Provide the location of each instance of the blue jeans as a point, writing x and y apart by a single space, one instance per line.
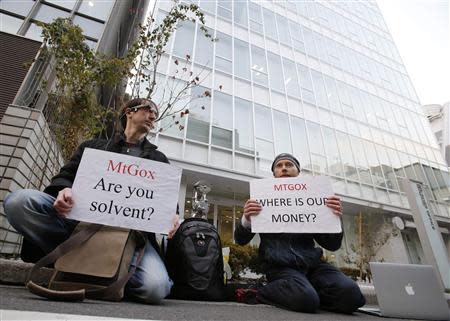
32 214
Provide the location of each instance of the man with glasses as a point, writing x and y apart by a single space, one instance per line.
297 277
41 217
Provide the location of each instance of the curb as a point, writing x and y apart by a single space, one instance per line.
16 272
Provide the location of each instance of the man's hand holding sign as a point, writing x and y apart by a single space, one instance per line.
126 191
294 205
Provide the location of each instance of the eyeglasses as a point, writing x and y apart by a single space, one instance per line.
147 107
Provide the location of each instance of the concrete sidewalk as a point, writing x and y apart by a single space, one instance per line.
19 304
14 272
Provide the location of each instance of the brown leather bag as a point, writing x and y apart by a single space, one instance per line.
93 263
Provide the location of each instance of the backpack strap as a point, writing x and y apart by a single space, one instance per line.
65 247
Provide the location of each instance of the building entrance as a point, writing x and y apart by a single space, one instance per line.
222 214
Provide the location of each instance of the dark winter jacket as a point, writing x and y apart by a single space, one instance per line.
67 173
289 250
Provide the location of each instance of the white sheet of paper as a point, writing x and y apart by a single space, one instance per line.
294 205
126 191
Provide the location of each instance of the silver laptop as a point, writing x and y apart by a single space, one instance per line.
409 291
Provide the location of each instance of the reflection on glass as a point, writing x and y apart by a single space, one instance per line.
276 72
243 125
184 38
99 9
290 78
259 69
225 223
9 24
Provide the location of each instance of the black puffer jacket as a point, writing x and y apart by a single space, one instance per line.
288 249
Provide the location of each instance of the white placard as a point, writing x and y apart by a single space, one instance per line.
294 205
126 191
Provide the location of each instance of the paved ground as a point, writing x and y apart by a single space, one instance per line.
18 304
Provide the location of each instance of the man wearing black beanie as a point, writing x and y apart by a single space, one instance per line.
297 277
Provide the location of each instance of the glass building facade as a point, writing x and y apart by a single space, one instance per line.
20 17
322 80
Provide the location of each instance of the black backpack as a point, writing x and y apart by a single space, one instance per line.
194 261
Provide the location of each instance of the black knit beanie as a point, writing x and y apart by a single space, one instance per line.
286 156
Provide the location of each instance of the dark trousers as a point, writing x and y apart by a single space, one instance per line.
325 287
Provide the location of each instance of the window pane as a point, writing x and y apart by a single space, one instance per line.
48 14
290 78
34 32
346 155
22 7
332 151
282 135
224 9
243 125
306 84
223 52
269 24
198 130
309 43
204 48
276 72
9 24
200 106
263 122
300 141
64 3
222 137
241 65
319 86
315 138
296 34
332 94
222 111
184 39
259 68
255 17
283 30
264 149
90 27
96 8
208 5
240 12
